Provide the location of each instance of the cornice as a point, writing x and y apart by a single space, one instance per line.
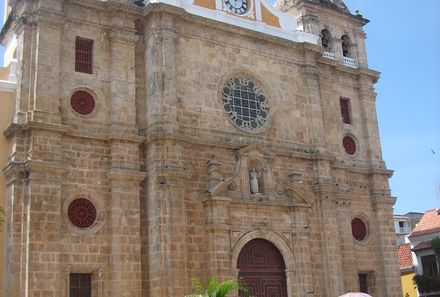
14 128
358 72
21 168
8 86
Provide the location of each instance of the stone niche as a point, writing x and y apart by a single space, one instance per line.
253 180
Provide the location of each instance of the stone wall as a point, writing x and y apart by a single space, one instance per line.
168 172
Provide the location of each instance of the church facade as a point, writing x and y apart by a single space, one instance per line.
152 143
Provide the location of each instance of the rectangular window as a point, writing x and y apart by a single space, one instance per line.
429 265
80 285
84 55
345 110
363 282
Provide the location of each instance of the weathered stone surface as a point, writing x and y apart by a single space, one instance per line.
169 173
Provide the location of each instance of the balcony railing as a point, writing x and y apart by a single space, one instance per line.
329 55
350 62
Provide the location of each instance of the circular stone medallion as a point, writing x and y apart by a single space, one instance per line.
358 229
245 104
82 103
349 145
82 213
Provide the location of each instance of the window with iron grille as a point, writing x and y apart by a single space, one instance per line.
345 110
80 285
429 265
363 282
84 55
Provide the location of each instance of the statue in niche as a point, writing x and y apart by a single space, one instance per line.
254 174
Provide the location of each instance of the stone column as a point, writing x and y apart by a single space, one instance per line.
337 47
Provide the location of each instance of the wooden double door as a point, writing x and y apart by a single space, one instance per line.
262 269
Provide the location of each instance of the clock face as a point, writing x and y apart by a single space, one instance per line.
237 6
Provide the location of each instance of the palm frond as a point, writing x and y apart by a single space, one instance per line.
217 289
212 286
226 287
198 286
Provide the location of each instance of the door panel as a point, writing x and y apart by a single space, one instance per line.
262 269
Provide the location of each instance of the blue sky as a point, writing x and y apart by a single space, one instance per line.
404 44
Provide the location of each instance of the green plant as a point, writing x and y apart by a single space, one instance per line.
427 283
217 289
436 245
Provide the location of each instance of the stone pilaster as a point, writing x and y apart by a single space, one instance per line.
25 31
325 190
161 80
301 253
217 210
361 53
166 189
367 99
125 233
388 280
34 228
16 239
344 215
38 34
123 79
315 111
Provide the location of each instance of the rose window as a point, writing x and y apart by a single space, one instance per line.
245 103
358 229
82 213
82 102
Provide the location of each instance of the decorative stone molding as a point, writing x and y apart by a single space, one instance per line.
238 186
366 220
97 96
281 242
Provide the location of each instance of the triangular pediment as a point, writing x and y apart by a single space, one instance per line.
257 150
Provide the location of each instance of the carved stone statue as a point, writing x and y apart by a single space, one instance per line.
254 174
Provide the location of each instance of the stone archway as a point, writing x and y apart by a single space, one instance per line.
261 267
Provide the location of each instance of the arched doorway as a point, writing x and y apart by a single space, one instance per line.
262 269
